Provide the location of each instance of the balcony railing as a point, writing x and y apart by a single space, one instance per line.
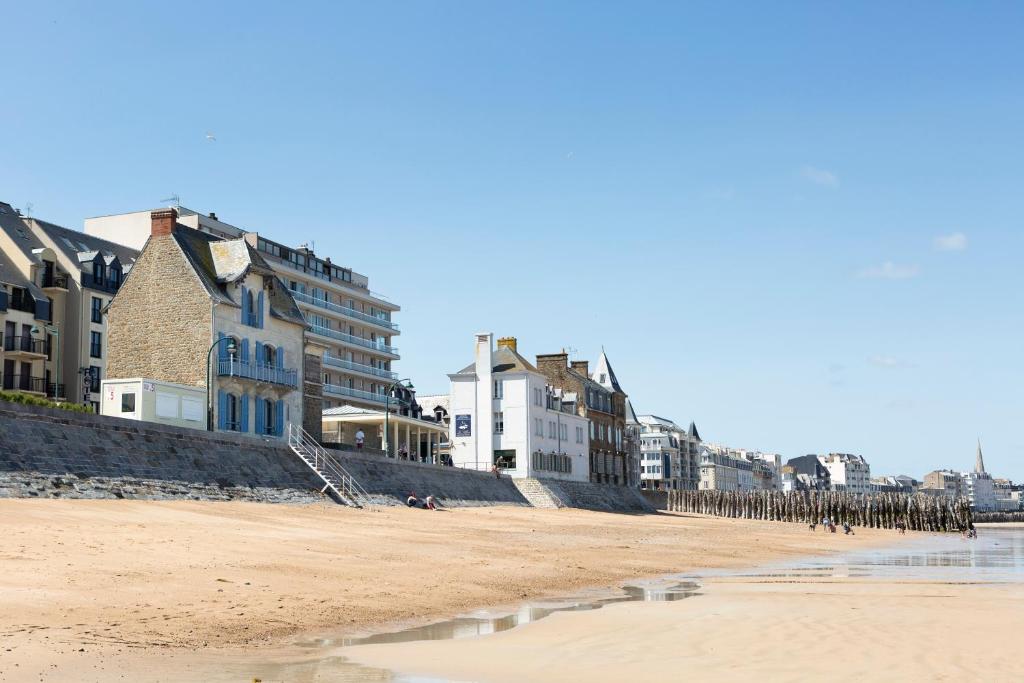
257 372
25 344
355 393
55 281
378 346
55 391
344 310
358 367
24 383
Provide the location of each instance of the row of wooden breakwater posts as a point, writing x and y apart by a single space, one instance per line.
880 511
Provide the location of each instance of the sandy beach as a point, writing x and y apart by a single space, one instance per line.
97 590
743 630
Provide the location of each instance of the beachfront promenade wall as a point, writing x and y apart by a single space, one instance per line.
50 453
883 510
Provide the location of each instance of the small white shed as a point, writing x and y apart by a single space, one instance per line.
153 401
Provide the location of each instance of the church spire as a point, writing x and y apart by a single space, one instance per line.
979 462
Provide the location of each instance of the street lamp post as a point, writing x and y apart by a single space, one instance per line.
55 331
209 401
387 408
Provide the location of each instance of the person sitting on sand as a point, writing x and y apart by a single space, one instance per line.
846 529
412 501
430 503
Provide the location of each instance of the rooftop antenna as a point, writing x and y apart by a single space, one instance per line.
174 199
28 210
573 351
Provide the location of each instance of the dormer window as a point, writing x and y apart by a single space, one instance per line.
98 272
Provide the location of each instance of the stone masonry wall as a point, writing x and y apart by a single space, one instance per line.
159 323
52 453
312 395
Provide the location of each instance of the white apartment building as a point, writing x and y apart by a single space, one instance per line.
347 322
670 456
504 413
847 472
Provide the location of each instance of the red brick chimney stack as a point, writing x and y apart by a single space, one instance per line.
162 222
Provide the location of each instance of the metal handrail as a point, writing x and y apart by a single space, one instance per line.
257 371
358 367
344 310
377 346
326 466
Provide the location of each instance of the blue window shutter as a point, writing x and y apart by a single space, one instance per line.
280 358
243 353
222 410
222 347
243 408
260 357
279 418
259 415
259 310
245 305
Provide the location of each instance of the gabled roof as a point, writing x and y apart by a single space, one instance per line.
504 359
218 264
605 368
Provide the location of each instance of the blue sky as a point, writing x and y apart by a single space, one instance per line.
796 224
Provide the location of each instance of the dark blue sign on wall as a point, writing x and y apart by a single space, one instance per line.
463 425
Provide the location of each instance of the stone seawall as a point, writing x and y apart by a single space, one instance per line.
52 453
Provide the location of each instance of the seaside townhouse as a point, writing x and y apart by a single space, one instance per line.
946 483
56 282
847 472
505 413
95 269
805 473
671 456
192 295
25 309
349 326
601 400
724 469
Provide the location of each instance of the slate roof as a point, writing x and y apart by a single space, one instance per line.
83 248
19 233
219 263
504 360
693 432
605 368
809 465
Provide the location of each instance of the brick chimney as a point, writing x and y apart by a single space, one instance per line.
162 222
508 343
582 367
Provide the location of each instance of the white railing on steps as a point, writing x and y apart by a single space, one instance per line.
335 477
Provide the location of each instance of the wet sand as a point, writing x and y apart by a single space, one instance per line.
142 590
803 630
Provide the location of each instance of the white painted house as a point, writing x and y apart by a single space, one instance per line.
504 413
849 473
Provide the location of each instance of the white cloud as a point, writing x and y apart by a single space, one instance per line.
956 241
820 176
890 271
888 362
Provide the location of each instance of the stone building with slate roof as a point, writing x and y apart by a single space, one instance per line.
603 404
190 291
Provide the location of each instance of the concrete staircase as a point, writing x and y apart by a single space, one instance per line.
540 494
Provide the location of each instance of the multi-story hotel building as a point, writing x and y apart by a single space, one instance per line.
351 324
847 472
670 454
